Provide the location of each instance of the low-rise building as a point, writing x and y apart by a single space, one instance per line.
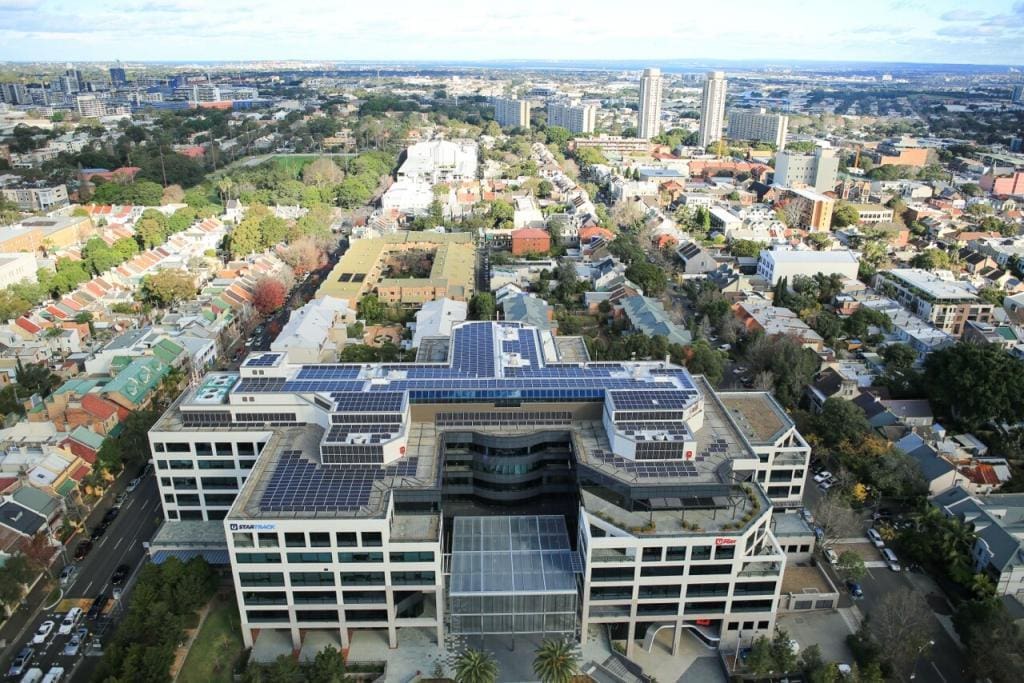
947 304
315 333
775 264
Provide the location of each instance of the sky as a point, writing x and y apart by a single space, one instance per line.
942 31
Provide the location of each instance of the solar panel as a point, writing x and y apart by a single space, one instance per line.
368 402
659 399
264 360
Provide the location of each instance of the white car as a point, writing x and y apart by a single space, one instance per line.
890 559
875 538
831 556
825 486
822 477
44 631
70 621
132 485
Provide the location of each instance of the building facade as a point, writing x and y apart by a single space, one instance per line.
947 305
817 171
576 118
37 198
775 264
759 125
512 113
649 116
712 108
360 496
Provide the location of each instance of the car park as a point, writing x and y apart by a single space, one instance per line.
875 538
43 632
67 625
68 573
84 546
890 559
855 589
21 661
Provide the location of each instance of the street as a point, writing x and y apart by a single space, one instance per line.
136 523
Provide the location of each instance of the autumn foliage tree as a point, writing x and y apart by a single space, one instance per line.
303 255
269 296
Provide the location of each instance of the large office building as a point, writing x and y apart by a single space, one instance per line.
712 108
817 171
512 113
649 116
758 125
775 264
947 304
576 118
504 485
118 76
439 161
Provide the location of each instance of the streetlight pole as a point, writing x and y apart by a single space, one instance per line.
917 657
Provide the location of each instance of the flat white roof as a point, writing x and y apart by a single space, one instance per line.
794 256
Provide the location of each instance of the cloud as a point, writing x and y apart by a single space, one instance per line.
963 15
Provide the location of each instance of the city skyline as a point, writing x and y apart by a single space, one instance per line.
912 31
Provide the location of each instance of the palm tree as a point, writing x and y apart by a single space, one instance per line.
476 666
556 662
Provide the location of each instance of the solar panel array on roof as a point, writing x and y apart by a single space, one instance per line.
254 385
264 360
655 469
368 402
300 485
328 372
658 399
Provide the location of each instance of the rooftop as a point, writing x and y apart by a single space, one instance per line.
931 284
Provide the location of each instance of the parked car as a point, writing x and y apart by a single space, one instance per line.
890 559
822 476
70 621
54 675
73 646
21 661
122 498
875 538
98 532
43 632
132 485
831 556
111 514
120 574
825 486
806 514
97 606
855 589
67 574
84 546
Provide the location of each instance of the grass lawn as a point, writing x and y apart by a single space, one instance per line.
216 648
295 164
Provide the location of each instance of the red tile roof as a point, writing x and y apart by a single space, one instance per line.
27 325
98 406
81 450
81 473
7 482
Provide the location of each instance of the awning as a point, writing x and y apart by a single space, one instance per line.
214 557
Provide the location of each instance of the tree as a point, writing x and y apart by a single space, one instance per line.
168 287
476 666
851 565
303 256
109 456
246 237
648 276
134 438
994 643
327 667
840 420
898 357
269 295
173 194
844 215
544 188
931 259
353 191
791 365
371 309
836 519
704 360
975 383
481 306
322 172
35 378
901 625
14 576
556 662
747 248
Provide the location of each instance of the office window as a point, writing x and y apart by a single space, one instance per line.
204 448
295 539
224 448
360 557
268 539
701 552
257 579
309 558
258 558
346 539
319 539
372 539
311 578
242 539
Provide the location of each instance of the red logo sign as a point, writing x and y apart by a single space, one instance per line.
725 541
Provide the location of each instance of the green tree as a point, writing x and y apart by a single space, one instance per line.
327 667
353 191
840 420
844 215
648 276
931 259
898 357
481 306
747 248
168 287
544 188
851 565
704 360
556 661
35 378
476 666
371 309
134 438
109 456
246 237
975 383
14 576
